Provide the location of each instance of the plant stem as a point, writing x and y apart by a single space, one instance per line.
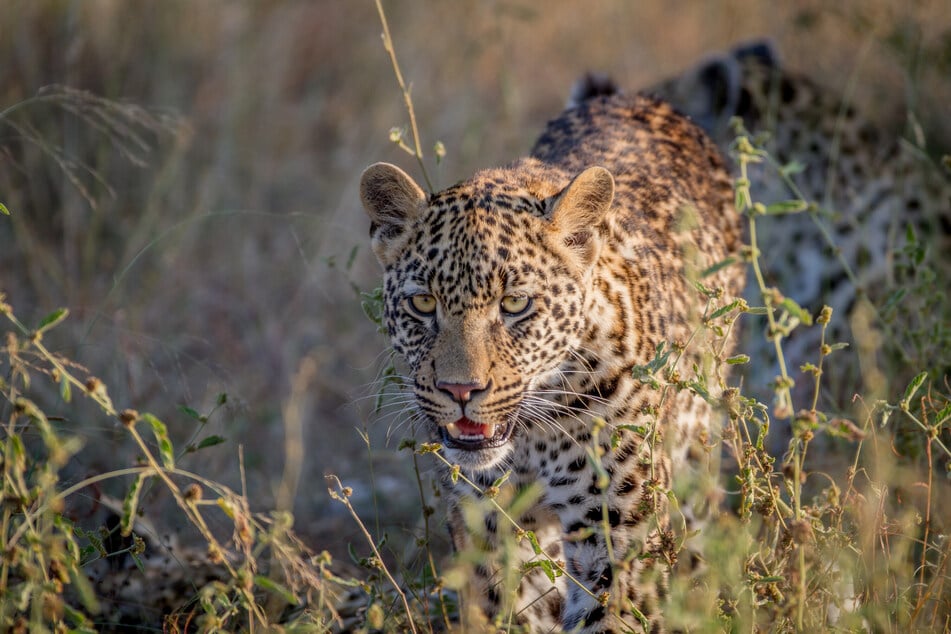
342 497
407 98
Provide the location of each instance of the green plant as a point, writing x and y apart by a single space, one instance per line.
802 548
260 568
803 542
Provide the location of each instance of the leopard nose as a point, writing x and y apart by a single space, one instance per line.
461 392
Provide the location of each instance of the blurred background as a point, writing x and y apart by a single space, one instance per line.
206 233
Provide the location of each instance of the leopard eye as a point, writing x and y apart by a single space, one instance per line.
423 304
515 304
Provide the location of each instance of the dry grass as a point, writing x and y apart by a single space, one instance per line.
208 241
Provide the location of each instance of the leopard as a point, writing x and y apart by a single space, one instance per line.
527 307
868 189
149 579
870 244
623 274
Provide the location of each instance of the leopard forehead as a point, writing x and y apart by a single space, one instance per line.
478 240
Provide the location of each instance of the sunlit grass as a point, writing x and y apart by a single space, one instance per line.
195 264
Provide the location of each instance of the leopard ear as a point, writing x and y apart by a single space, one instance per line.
579 208
393 200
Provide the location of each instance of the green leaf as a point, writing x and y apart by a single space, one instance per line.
211 441
191 413
645 372
272 586
160 431
65 389
130 505
786 207
546 567
372 305
4 210
943 415
723 310
533 540
641 430
722 264
913 387
910 236
699 388
501 480
797 311
52 319
739 201
222 399
643 620
738 359
95 545
703 290
773 579
352 257
138 562
792 167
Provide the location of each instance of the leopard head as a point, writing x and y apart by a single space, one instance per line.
485 294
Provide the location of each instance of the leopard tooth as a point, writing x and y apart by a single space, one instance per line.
489 431
453 430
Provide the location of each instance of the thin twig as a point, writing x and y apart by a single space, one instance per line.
342 496
407 98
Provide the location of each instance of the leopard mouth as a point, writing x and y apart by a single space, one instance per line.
469 435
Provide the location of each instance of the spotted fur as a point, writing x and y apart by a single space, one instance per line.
869 185
158 585
520 301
